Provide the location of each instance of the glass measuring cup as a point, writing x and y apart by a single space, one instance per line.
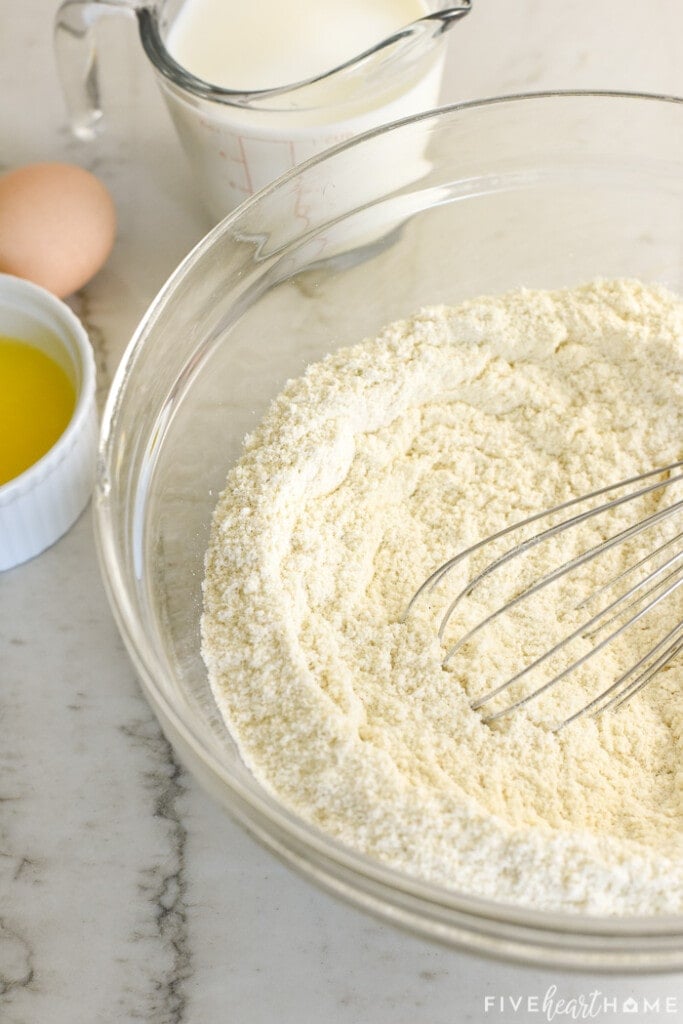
238 141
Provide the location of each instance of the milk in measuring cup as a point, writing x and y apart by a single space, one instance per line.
265 44
253 45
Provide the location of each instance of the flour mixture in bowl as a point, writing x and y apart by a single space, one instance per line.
368 472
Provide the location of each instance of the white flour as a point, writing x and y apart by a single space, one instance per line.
368 472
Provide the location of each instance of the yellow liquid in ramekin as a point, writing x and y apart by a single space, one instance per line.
37 400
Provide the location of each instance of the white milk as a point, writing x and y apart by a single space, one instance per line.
263 44
258 44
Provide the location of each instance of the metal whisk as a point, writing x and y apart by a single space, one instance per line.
631 594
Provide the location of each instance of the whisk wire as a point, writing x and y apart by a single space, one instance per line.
630 569
603 546
616 694
435 577
674 574
627 609
582 660
586 628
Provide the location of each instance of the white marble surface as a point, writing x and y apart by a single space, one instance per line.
125 894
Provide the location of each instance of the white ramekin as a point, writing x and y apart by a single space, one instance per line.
40 504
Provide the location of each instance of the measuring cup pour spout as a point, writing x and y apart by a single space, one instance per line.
398 76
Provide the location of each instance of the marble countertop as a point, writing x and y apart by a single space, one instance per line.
126 894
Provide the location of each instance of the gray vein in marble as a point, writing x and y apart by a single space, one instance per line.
17 969
16 960
25 865
165 884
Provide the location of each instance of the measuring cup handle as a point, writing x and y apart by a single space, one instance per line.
75 43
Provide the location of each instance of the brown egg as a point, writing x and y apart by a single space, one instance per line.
57 225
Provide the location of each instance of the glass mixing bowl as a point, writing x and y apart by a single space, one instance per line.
541 191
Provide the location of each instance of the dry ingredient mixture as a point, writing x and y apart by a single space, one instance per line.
367 473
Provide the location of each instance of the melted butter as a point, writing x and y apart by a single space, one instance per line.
37 400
